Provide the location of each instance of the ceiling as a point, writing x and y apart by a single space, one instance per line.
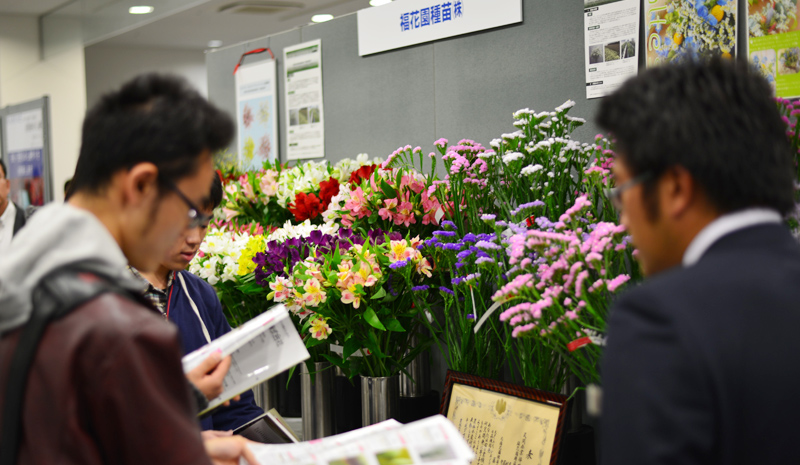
231 21
29 7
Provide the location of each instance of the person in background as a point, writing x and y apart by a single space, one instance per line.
12 217
66 187
701 359
193 305
106 383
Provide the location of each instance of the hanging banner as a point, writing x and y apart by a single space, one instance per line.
410 22
689 29
611 31
257 114
25 148
305 134
774 43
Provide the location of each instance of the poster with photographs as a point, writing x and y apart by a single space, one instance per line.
689 29
774 43
611 31
257 116
305 135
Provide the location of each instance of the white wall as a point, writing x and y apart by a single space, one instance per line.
25 76
110 66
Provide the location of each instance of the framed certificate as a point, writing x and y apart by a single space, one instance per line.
505 424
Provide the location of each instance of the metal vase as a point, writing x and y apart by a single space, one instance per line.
317 400
418 384
266 394
379 397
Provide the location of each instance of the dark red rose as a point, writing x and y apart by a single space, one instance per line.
365 172
305 206
327 190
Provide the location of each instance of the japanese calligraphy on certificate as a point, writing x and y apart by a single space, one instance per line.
305 133
503 429
611 31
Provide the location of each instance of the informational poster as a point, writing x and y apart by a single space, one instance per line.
503 429
25 157
305 135
689 29
257 115
774 43
611 33
410 22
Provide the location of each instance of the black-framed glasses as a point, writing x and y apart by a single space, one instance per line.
196 217
614 194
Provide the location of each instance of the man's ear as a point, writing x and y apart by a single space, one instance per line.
139 183
678 191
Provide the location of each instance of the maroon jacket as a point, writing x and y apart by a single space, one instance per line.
107 387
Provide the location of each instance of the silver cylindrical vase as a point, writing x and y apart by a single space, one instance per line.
379 397
266 394
317 401
418 381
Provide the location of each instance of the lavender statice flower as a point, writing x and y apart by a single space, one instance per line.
482 260
464 254
487 245
444 233
457 280
449 224
527 206
400 264
431 242
488 217
469 237
470 316
452 246
423 287
444 289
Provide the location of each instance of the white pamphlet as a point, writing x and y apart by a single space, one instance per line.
260 349
305 133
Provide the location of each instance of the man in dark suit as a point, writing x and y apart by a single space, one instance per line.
12 218
702 365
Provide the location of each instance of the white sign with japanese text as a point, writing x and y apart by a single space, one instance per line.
305 136
409 22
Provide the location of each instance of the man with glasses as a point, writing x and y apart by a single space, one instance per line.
12 218
193 306
701 362
89 372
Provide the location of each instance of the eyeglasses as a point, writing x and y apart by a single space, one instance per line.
614 194
196 217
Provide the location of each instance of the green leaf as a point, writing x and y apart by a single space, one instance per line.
380 294
373 320
350 347
394 325
388 190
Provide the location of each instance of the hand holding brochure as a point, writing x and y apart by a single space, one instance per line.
432 441
261 348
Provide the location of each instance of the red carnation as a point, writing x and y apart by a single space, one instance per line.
327 190
305 206
365 172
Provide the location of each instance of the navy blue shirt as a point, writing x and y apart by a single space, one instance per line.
181 313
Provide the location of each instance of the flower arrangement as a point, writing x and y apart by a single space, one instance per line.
695 28
562 274
775 17
789 61
252 197
789 113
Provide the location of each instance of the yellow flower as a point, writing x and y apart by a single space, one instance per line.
678 38
319 328
246 264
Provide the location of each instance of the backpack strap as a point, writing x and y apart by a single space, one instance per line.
57 294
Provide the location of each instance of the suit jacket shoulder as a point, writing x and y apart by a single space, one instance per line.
19 219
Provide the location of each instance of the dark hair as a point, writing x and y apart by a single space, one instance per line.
3 166
715 119
153 118
67 183
215 198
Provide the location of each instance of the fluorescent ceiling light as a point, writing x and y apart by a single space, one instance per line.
379 2
214 43
140 10
321 18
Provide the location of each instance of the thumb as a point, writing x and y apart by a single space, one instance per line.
210 362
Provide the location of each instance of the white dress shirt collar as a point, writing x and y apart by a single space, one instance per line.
8 216
725 225
7 220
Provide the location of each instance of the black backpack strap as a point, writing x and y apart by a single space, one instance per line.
57 294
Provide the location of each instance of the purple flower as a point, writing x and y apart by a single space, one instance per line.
487 245
464 254
501 224
483 260
485 237
448 224
431 242
400 264
424 287
459 265
458 280
444 233
488 217
444 289
455 246
469 237
470 316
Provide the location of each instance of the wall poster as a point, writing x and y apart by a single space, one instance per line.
611 33
256 120
678 29
24 133
305 132
774 43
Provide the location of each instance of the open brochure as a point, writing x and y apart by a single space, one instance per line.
262 348
432 441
